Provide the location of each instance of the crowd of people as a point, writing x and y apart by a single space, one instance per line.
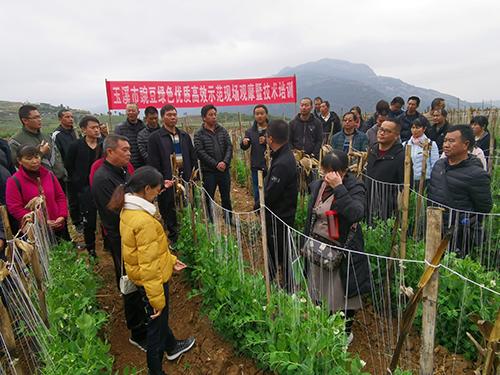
120 175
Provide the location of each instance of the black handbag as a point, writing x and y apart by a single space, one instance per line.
322 252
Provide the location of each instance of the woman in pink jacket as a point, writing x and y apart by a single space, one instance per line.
31 180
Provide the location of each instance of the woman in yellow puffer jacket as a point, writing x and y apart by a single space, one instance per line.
148 261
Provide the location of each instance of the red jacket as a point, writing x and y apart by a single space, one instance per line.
54 195
98 163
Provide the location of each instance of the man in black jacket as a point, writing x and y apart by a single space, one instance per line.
306 132
384 169
63 137
255 137
330 122
151 119
130 128
6 157
79 159
410 115
280 192
439 127
170 141
395 108
460 182
65 133
111 174
214 150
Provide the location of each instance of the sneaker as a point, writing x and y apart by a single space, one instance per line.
182 346
141 344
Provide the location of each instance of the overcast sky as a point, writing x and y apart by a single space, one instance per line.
62 51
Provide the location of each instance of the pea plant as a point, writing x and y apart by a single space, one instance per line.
74 341
290 335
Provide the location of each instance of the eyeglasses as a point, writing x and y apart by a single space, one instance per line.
385 130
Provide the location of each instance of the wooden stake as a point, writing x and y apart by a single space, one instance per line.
491 158
203 201
9 338
264 235
7 232
405 202
411 309
192 209
491 349
421 184
37 267
430 291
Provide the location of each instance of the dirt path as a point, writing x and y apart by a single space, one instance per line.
211 355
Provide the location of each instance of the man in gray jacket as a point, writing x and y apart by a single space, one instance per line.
31 134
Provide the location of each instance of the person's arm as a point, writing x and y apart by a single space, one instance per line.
148 257
351 204
434 155
291 131
202 154
14 200
192 153
337 126
60 198
119 130
276 184
363 142
143 144
480 192
102 190
8 157
154 154
318 138
229 149
70 161
247 136
14 147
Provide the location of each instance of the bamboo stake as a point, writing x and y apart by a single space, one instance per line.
204 209
233 170
36 265
421 184
405 202
264 235
7 232
9 338
411 310
430 292
491 157
491 346
192 208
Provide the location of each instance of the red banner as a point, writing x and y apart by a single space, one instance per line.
277 90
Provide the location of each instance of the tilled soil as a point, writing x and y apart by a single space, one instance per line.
213 355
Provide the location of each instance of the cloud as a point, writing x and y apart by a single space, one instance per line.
61 52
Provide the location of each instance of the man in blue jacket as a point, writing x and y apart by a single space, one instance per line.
350 134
